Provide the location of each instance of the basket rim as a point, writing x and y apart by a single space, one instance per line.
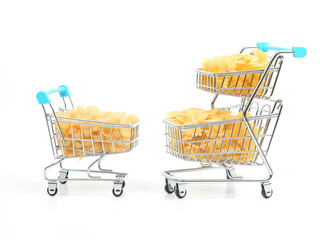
235 73
200 125
269 115
94 123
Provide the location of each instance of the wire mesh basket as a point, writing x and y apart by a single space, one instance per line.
90 138
245 83
239 83
226 142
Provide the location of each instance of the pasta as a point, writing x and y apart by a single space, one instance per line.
81 138
239 84
211 143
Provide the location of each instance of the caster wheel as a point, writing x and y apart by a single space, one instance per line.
168 188
63 182
266 195
117 193
52 192
179 193
266 191
123 184
66 177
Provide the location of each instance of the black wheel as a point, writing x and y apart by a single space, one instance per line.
265 195
123 184
168 188
64 182
52 192
117 193
179 193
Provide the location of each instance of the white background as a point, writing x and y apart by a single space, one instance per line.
139 57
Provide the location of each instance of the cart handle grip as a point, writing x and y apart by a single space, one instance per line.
298 52
43 96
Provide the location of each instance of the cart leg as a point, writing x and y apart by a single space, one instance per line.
99 165
266 191
63 176
52 188
231 173
181 190
170 186
121 178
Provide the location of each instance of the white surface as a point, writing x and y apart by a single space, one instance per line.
139 57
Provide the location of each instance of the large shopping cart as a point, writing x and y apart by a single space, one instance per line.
88 139
227 144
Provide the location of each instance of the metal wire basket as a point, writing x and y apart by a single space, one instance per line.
90 138
244 83
226 142
240 83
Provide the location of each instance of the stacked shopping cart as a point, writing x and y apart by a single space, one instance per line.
230 143
84 145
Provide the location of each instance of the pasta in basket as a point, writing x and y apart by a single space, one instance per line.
237 84
224 141
81 138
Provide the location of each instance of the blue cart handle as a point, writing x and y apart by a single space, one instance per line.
43 96
298 52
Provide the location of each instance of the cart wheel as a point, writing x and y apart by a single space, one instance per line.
64 182
180 193
266 195
123 184
63 175
52 191
168 188
117 192
266 192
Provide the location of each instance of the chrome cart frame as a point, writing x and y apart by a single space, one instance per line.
259 126
84 144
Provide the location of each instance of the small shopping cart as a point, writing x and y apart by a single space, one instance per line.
230 143
83 143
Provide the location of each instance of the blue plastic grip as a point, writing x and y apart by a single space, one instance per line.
43 96
298 52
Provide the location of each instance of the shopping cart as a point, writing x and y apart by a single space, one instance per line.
227 144
83 143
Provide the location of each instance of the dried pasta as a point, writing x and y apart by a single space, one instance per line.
239 84
214 142
83 139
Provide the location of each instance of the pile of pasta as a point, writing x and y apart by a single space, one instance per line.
235 63
82 139
211 143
